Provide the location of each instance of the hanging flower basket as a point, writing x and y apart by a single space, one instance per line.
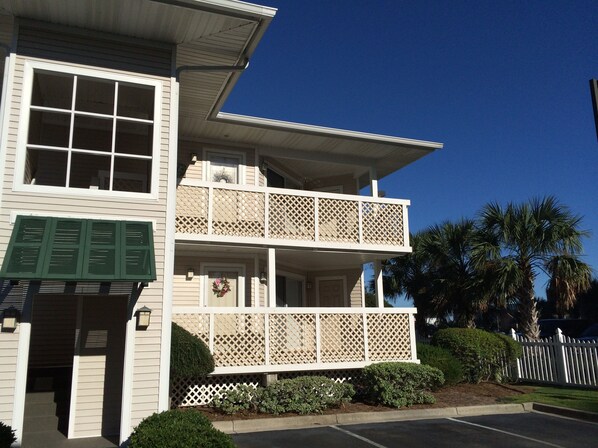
220 287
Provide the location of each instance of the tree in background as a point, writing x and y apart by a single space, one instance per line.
517 241
569 276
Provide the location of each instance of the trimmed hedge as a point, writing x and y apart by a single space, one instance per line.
177 428
7 436
442 359
481 353
302 395
189 356
400 384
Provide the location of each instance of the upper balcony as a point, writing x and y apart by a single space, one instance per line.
227 213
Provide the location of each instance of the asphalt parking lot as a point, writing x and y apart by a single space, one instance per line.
525 430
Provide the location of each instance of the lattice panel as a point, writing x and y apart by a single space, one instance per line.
239 340
196 324
291 217
292 339
187 392
238 213
338 220
383 224
388 337
341 337
192 210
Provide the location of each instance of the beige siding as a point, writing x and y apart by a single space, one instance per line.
144 389
187 292
347 182
100 352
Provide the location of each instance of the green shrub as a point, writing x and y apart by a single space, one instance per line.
481 353
177 428
189 356
399 384
7 436
303 395
240 399
442 359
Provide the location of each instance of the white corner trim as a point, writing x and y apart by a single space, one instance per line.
7 89
18 410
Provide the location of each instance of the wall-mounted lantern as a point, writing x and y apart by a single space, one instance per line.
10 317
144 315
193 158
190 273
263 278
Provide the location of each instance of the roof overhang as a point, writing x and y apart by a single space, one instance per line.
318 150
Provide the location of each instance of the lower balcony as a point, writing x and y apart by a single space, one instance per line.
269 340
212 212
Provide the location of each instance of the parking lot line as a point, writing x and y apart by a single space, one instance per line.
506 432
357 436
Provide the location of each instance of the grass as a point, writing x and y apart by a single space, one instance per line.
584 400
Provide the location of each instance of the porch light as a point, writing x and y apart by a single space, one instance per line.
143 317
263 278
10 317
190 273
193 158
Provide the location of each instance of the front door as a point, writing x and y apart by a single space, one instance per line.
331 292
223 286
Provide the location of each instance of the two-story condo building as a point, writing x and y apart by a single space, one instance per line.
125 194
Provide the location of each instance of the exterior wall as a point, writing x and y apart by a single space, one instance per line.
113 55
347 182
187 292
353 282
195 170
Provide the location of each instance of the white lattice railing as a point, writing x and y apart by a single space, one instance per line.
212 212
288 339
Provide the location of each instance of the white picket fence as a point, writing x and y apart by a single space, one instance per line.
557 360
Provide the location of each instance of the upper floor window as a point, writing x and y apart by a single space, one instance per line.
91 132
224 167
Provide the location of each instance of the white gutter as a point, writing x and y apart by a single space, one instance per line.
234 6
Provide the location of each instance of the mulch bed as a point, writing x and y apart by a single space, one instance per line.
451 396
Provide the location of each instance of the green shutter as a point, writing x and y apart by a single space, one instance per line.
43 248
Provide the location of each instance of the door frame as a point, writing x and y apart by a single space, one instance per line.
332 277
205 266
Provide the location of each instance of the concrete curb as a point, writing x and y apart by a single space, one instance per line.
313 421
566 412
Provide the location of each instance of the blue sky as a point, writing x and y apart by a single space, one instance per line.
503 84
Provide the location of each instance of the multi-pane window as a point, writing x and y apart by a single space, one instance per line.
224 168
90 133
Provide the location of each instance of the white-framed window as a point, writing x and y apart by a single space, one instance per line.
224 166
88 130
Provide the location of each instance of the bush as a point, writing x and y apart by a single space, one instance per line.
442 359
303 395
177 428
7 436
399 384
239 399
482 354
189 356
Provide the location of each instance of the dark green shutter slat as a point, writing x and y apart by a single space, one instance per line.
79 249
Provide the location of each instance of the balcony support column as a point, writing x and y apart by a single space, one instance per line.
271 277
379 286
374 181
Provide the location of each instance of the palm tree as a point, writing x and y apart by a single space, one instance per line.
517 241
569 277
439 275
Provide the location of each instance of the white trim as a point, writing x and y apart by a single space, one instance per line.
7 92
271 368
169 254
127 381
362 281
278 310
75 373
378 279
332 277
18 410
228 153
271 266
292 192
30 66
206 266
256 281
320 130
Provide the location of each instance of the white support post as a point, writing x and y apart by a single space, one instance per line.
366 347
316 220
210 208
256 281
267 338
211 335
360 221
374 181
406 241
412 337
318 340
518 362
266 214
271 277
378 280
